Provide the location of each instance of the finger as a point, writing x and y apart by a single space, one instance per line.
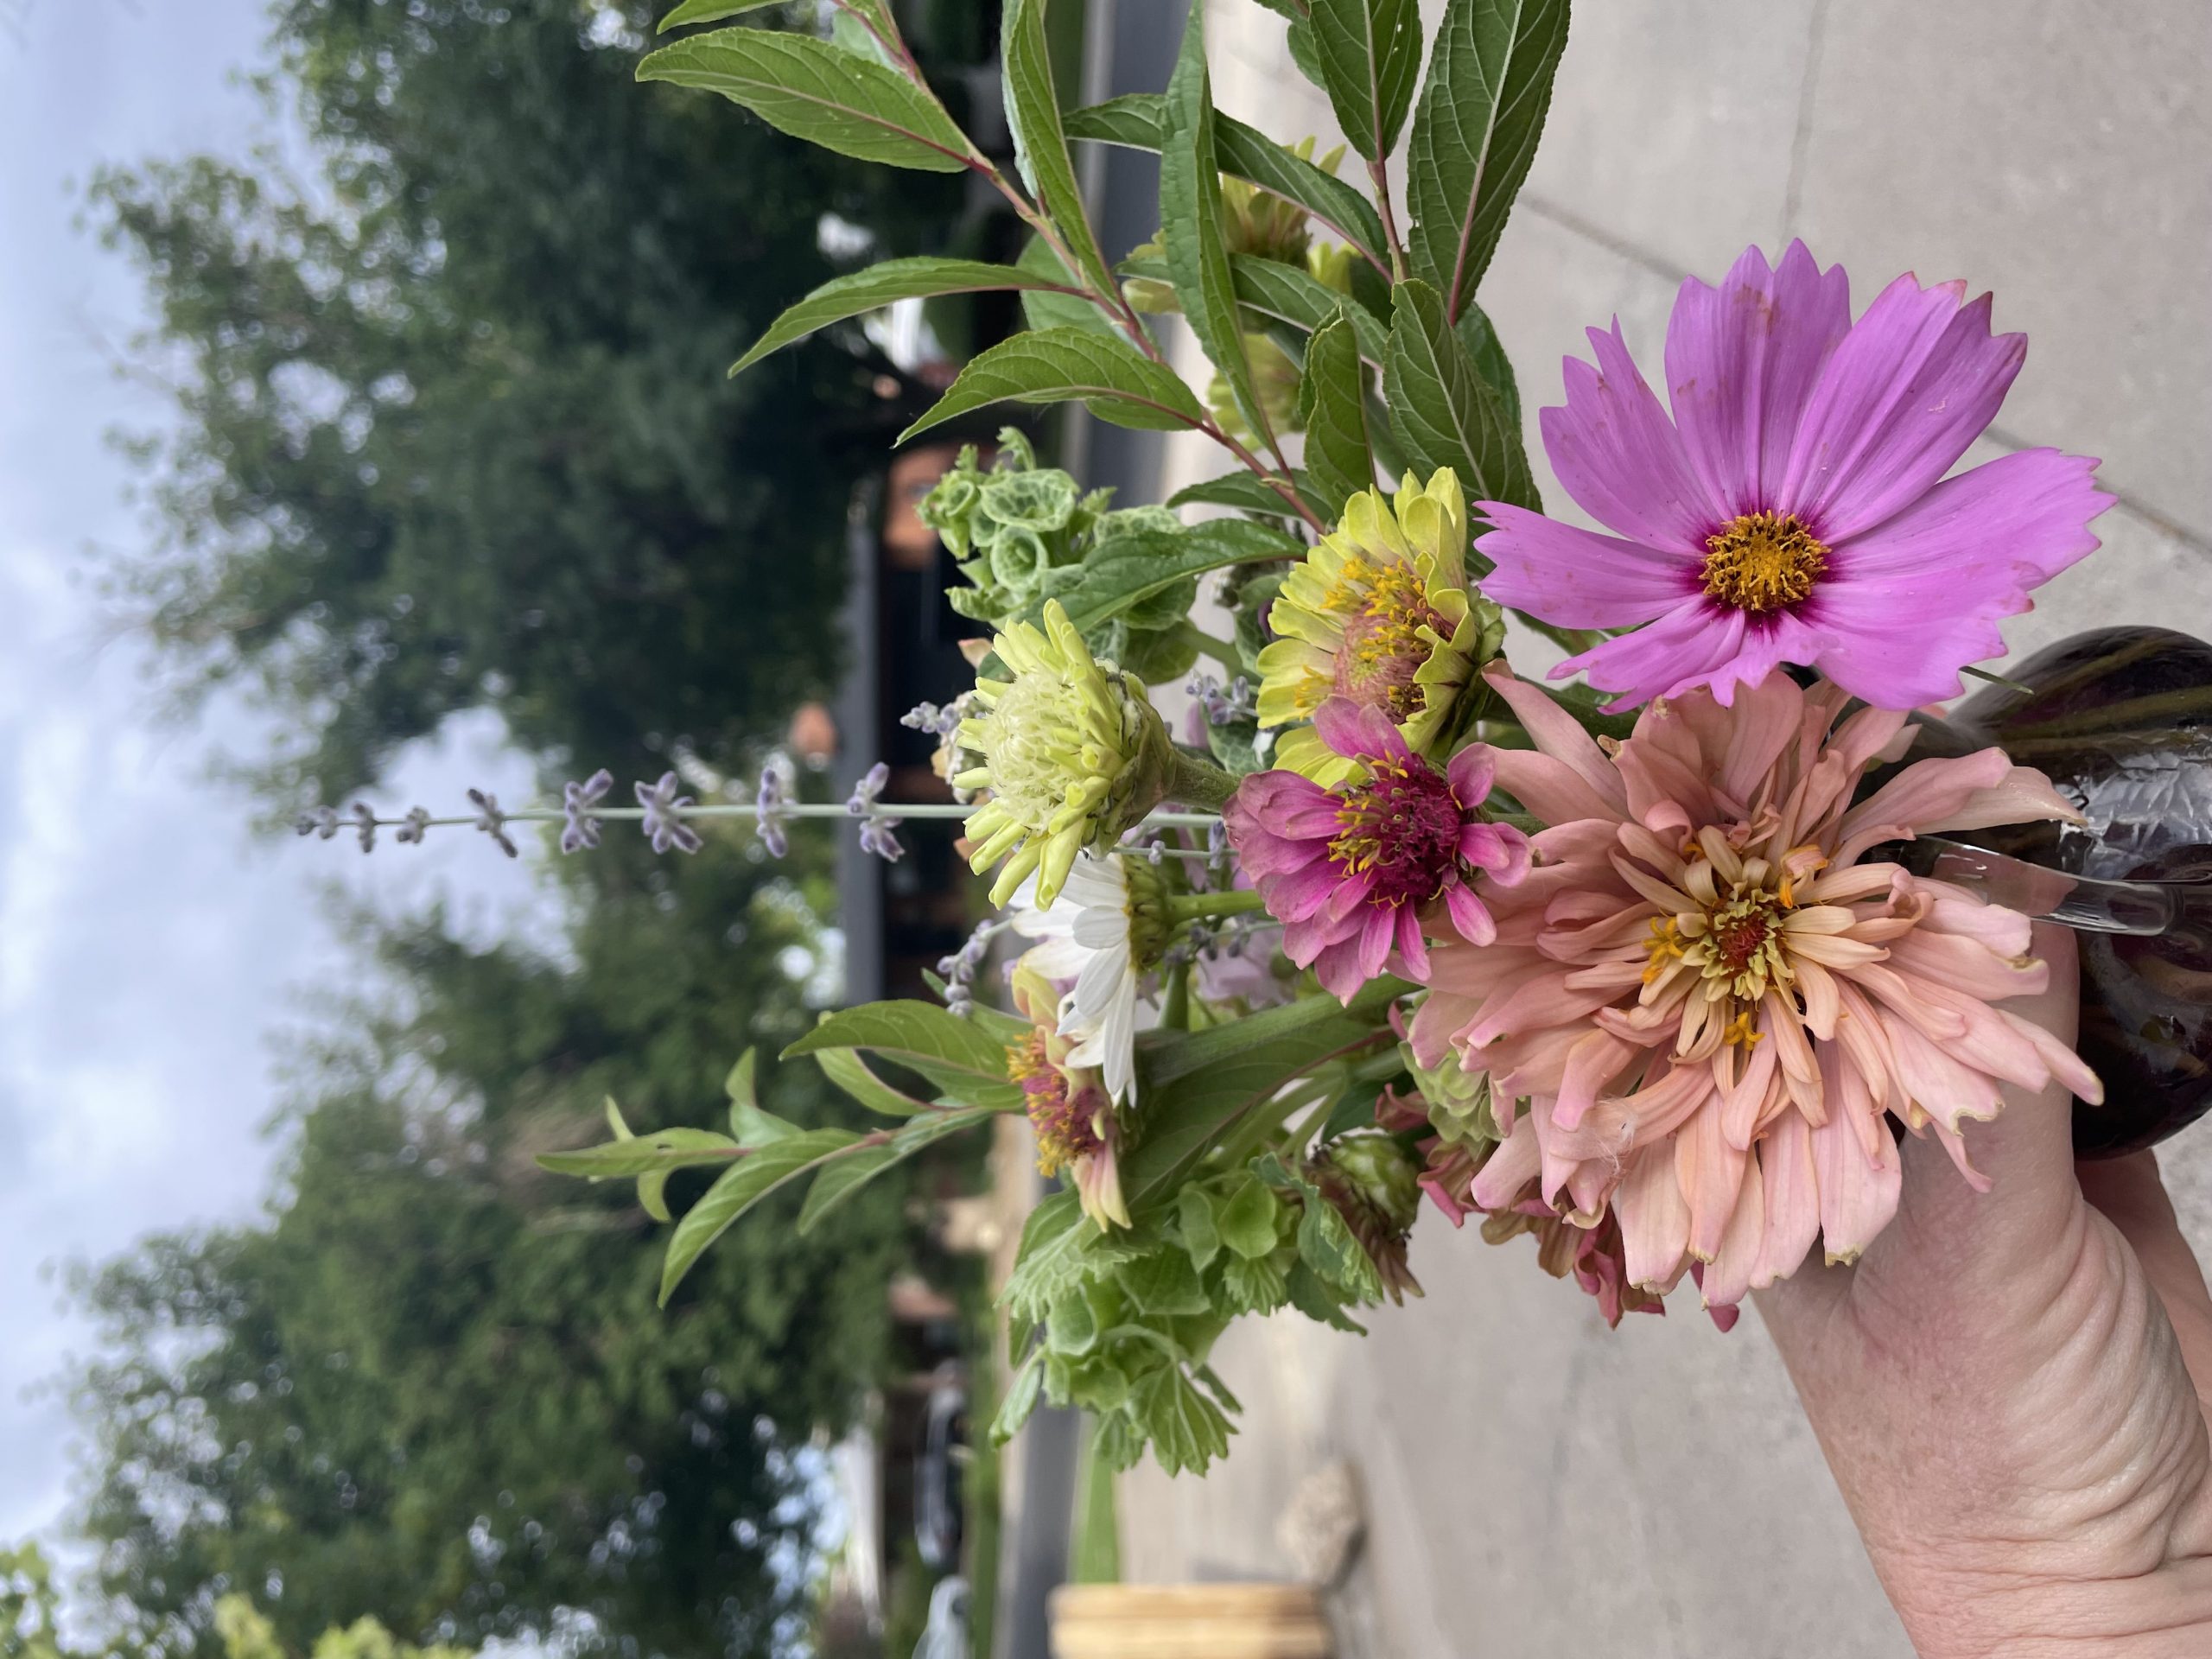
2133 1196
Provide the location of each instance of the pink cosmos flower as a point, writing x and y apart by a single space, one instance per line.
1352 871
1712 1007
1790 512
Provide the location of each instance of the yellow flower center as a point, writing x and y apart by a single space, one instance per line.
1385 607
1762 562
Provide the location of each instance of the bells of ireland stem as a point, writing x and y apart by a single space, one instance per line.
1073 755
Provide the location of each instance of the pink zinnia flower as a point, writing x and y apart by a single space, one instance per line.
1712 1007
1790 512
1352 871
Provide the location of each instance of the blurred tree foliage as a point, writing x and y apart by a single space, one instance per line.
455 430
431 1386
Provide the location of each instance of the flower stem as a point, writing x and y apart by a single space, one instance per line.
1191 906
1175 998
1199 783
1224 652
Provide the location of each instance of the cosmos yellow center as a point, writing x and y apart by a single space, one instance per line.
1762 562
1386 610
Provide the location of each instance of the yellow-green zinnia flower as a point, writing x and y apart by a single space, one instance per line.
1073 755
1378 613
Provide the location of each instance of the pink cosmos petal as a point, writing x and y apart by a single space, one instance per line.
1358 730
1914 382
1577 578
1742 360
1617 454
1686 646
1877 649
1980 541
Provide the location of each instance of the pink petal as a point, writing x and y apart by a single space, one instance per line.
1560 736
1576 578
1768 718
1980 541
1595 1061
1687 647
1300 895
1617 456
1412 948
1859 1192
1338 967
1727 1280
1509 1168
1654 1222
1915 382
1499 849
1793 1199
1470 772
1359 730
1470 916
1711 1173
1742 360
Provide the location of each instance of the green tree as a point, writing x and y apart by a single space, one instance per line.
431 1385
455 430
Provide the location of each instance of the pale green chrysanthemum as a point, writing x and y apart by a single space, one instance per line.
1073 755
1378 612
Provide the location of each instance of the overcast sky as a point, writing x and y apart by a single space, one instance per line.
149 948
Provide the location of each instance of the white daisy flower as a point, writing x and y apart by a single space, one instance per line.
1086 934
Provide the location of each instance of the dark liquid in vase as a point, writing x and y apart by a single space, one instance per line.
2121 720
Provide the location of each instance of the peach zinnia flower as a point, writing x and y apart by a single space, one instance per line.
1712 1006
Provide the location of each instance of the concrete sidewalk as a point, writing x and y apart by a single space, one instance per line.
1534 1482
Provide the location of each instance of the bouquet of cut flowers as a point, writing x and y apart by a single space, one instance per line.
1380 922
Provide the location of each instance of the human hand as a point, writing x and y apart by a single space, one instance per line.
2010 1391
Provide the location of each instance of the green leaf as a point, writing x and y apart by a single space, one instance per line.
1338 452
1164 1284
710 11
1196 1086
1191 227
1059 365
1284 297
840 1178
942 1047
1020 1400
1310 1297
642 1154
1046 306
1071 1328
1444 412
1187 1428
880 285
1138 120
810 89
1194 1214
751 1125
1040 145
1325 1243
1130 569
1060 1248
1254 1285
1248 1220
1369 53
1481 110
1489 359
742 1186
845 1068
1241 489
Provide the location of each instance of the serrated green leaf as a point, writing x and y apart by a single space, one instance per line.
1316 1301
1283 297
1131 569
1444 414
1057 365
1060 1248
1040 147
1369 54
811 90
1249 1220
845 1068
1097 1384
1068 1328
882 284
840 1178
1254 1285
1139 121
1481 110
1325 1243
1020 1400
1338 452
1164 1284
1192 224
1488 355
711 11
742 1186
959 1056
1196 1086
1194 1214
1187 1429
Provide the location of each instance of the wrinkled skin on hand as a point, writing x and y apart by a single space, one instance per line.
2010 1391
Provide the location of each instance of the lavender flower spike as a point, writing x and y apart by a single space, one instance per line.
365 824
493 821
581 829
417 821
318 821
664 822
876 837
772 811
861 802
876 827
